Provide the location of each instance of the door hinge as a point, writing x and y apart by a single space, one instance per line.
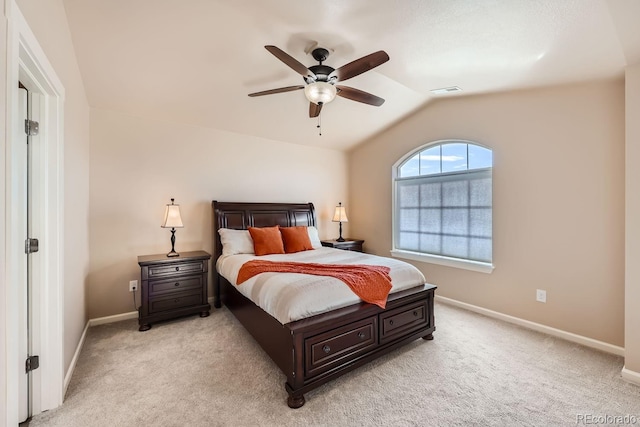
31 127
33 362
31 246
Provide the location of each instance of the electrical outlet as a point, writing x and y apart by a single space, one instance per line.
133 285
541 295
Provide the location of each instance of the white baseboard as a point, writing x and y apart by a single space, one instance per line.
589 342
631 376
74 361
122 316
114 318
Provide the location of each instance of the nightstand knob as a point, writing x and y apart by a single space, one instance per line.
326 349
176 300
177 268
415 313
178 284
361 335
391 322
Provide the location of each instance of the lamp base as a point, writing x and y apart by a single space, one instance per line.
173 244
340 239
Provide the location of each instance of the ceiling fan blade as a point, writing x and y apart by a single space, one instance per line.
361 65
359 95
290 61
279 90
314 109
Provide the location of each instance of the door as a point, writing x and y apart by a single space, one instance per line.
26 363
22 148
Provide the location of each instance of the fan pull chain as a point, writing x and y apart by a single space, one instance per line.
319 124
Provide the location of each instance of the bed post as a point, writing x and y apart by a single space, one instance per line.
216 254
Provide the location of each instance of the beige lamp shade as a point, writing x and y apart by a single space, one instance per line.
172 218
340 214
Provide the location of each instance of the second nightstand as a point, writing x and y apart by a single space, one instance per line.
347 245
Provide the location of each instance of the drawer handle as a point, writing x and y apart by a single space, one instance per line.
177 268
176 300
415 313
361 335
178 284
326 349
391 322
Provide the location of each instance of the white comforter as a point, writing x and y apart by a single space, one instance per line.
293 296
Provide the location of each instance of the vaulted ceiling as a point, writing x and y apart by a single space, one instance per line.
195 61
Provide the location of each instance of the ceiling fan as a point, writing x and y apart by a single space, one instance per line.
321 80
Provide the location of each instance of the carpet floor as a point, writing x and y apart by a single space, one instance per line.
210 372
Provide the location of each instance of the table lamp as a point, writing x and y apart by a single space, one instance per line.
172 220
340 215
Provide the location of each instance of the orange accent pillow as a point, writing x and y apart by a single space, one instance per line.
296 239
267 240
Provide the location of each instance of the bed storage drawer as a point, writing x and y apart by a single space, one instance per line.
174 301
174 269
338 346
403 320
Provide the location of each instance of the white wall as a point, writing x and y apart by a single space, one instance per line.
137 165
558 218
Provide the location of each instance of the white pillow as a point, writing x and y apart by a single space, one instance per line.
313 236
235 241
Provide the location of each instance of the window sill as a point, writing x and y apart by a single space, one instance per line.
482 267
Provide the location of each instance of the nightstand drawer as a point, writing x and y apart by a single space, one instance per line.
177 285
175 269
174 301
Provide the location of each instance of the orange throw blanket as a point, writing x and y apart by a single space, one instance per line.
371 283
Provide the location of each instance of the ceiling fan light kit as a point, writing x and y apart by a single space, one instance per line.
320 92
321 80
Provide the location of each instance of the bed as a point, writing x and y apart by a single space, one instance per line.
314 350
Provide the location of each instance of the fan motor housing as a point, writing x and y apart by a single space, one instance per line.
322 72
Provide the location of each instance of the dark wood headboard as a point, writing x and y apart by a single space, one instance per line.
241 215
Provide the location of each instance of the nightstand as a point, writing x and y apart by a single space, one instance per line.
347 245
173 287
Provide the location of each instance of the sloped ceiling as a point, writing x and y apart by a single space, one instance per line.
195 61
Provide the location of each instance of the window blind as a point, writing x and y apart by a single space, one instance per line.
446 214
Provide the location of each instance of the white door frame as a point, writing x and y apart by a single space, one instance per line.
27 62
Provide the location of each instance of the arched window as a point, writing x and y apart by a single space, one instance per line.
443 205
